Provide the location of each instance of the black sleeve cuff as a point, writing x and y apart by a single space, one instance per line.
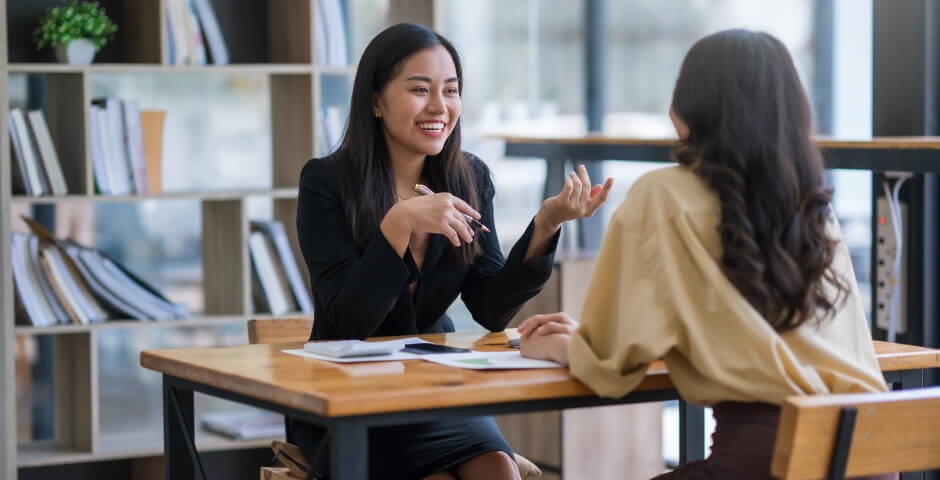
540 263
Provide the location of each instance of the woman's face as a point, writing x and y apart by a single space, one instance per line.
420 106
681 128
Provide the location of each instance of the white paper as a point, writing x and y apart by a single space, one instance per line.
503 360
489 361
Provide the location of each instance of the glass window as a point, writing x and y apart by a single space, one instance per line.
537 48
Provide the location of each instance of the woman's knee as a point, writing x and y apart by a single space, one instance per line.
489 465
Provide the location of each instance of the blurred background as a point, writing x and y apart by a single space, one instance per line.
523 66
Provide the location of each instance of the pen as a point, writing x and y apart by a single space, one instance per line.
424 190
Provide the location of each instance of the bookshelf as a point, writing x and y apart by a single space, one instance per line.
275 39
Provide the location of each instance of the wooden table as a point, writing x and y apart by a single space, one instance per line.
908 154
880 154
348 399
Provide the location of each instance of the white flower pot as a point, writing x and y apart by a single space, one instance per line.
75 52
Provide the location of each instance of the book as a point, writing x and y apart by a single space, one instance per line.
48 290
178 32
47 153
55 271
121 173
121 307
275 233
17 167
96 286
244 424
171 51
335 29
115 178
151 127
320 34
98 141
27 157
197 42
134 144
135 289
71 286
33 306
211 32
262 260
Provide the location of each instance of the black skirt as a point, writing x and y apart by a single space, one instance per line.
412 452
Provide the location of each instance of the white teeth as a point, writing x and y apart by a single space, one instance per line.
432 126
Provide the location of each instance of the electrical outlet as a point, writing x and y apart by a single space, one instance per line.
885 250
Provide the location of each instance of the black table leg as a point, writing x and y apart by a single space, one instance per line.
691 432
554 176
180 457
349 450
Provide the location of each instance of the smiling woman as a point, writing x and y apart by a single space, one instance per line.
384 262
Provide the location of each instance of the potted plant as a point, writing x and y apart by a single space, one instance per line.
76 29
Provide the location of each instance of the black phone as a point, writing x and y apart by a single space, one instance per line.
427 348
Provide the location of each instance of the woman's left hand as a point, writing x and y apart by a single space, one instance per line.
577 199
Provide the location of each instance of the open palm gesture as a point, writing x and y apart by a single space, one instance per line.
577 198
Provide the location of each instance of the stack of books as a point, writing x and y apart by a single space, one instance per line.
277 284
62 282
36 168
191 26
330 30
119 160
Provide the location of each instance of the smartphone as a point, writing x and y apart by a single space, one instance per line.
428 348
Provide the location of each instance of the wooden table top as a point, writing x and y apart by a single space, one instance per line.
335 389
911 142
897 356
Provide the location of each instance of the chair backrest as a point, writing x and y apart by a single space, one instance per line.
279 329
834 436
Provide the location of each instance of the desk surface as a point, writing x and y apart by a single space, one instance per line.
823 142
914 154
336 390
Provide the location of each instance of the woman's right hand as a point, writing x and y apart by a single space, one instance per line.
443 213
440 213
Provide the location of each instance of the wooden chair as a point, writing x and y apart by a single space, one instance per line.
279 330
834 436
297 329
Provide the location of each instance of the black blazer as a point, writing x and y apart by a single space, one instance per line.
363 292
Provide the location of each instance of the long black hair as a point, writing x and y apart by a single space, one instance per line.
365 164
750 124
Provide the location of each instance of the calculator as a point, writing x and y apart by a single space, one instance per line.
352 348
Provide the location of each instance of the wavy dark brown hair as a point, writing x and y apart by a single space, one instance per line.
365 169
750 124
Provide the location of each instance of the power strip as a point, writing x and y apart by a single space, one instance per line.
885 249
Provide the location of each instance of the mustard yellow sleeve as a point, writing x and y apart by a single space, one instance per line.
624 325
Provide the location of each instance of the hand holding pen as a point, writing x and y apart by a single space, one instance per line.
424 190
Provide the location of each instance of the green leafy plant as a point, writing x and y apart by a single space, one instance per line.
74 20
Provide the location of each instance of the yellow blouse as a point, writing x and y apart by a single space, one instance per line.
658 292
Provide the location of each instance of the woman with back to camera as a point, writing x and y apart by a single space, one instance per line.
385 261
730 265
